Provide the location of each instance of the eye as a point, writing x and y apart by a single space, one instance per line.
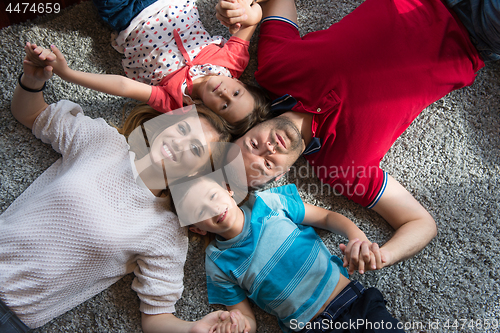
224 106
212 197
236 93
195 149
253 144
182 129
267 164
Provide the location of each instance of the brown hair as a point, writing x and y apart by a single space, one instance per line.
260 112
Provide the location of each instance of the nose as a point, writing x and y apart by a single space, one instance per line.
214 211
178 144
270 147
224 93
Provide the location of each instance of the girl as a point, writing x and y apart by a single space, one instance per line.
171 61
266 251
87 220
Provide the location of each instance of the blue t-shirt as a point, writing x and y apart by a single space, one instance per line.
278 263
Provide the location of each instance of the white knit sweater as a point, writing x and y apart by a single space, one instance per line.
85 223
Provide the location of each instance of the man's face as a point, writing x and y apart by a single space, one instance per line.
269 149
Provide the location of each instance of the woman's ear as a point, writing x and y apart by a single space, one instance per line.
197 230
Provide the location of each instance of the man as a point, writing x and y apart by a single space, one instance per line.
352 90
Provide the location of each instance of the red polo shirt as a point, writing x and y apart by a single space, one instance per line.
365 79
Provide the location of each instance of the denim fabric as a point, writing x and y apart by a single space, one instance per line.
119 13
482 20
355 309
9 323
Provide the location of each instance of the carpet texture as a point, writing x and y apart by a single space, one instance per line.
449 159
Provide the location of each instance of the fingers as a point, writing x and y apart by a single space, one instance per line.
378 262
38 55
230 12
346 250
56 51
354 258
224 315
365 257
359 255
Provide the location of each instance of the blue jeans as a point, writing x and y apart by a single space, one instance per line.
482 20
355 309
9 323
119 13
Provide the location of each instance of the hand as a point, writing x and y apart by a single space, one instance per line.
205 324
253 12
35 72
231 13
236 322
240 322
362 256
38 55
47 57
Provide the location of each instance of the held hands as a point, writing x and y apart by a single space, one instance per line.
236 322
363 256
34 69
46 58
222 322
236 14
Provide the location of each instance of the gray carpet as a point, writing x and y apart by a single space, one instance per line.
449 159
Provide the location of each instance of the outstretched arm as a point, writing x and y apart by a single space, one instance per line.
414 226
168 323
364 257
232 15
117 85
334 222
253 14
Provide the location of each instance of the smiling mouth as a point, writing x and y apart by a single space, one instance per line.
167 152
217 87
281 140
222 216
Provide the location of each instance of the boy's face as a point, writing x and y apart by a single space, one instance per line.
209 208
228 98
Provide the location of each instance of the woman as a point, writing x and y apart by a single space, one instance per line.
88 220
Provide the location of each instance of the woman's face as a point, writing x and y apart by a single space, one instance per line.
182 149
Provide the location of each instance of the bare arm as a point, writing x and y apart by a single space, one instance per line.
254 14
414 226
325 219
360 253
25 105
232 15
117 85
245 310
168 323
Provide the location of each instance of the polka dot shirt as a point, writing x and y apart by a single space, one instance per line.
149 47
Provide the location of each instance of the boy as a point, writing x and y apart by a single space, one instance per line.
268 252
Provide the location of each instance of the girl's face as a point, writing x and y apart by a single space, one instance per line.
210 207
182 148
227 97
